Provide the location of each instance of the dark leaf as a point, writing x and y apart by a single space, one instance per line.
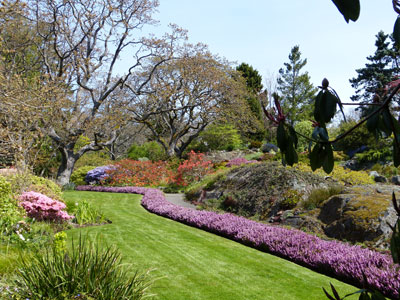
328 106
291 155
328 162
317 107
323 134
387 121
395 243
364 296
335 293
281 137
327 295
396 31
372 123
350 9
315 157
293 136
396 152
377 296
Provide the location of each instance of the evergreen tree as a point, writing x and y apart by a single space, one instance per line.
296 90
254 87
382 68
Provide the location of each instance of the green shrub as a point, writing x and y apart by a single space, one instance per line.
375 155
78 175
97 159
10 212
47 186
255 144
85 213
359 137
305 128
290 199
318 196
151 150
86 271
217 137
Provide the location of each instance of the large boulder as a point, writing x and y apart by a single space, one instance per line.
364 214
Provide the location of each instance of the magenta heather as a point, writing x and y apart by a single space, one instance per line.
334 258
43 208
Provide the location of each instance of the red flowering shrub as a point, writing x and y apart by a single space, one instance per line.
193 169
129 172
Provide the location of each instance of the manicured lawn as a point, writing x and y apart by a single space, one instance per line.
192 264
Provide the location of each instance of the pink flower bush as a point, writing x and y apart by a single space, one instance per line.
43 208
239 161
336 259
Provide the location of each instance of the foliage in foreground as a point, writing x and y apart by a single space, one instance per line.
350 263
84 272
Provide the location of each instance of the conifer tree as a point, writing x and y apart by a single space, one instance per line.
296 90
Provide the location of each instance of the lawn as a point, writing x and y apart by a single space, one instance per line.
189 263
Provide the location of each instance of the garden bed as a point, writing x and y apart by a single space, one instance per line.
336 259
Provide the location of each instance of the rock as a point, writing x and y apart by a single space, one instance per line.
378 178
266 148
361 216
351 164
396 180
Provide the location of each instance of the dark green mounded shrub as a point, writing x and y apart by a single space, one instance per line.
86 271
151 150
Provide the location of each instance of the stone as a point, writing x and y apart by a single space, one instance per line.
396 180
378 178
361 216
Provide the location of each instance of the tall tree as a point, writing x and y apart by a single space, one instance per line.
383 67
296 90
79 45
185 95
254 87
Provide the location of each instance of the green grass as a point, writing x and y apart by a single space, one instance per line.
192 264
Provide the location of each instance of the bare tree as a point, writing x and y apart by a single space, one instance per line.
79 44
185 95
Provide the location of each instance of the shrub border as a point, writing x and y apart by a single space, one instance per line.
351 264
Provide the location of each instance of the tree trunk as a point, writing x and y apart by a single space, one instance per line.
68 160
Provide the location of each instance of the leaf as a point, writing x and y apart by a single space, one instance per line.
396 31
317 107
315 157
327 295
335 293
323 134
328 106
377 296
387 121
328 162
291 155
364 296
293 135
396 152
350 9
372 123
395 242
281 137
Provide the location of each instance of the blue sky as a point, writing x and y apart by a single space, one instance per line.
262 33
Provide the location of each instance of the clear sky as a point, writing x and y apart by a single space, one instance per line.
262 33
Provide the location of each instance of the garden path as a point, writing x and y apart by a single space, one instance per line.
178 199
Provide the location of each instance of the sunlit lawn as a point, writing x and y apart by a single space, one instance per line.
192 264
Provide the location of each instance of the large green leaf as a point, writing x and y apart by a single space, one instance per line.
315 157
328 162
396 31
281 137
396 152
291 155
293 136
317 107
350 9
328 106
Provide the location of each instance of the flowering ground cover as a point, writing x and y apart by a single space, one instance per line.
192 264
333 258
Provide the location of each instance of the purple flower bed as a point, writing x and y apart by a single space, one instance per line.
239 161
333 258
